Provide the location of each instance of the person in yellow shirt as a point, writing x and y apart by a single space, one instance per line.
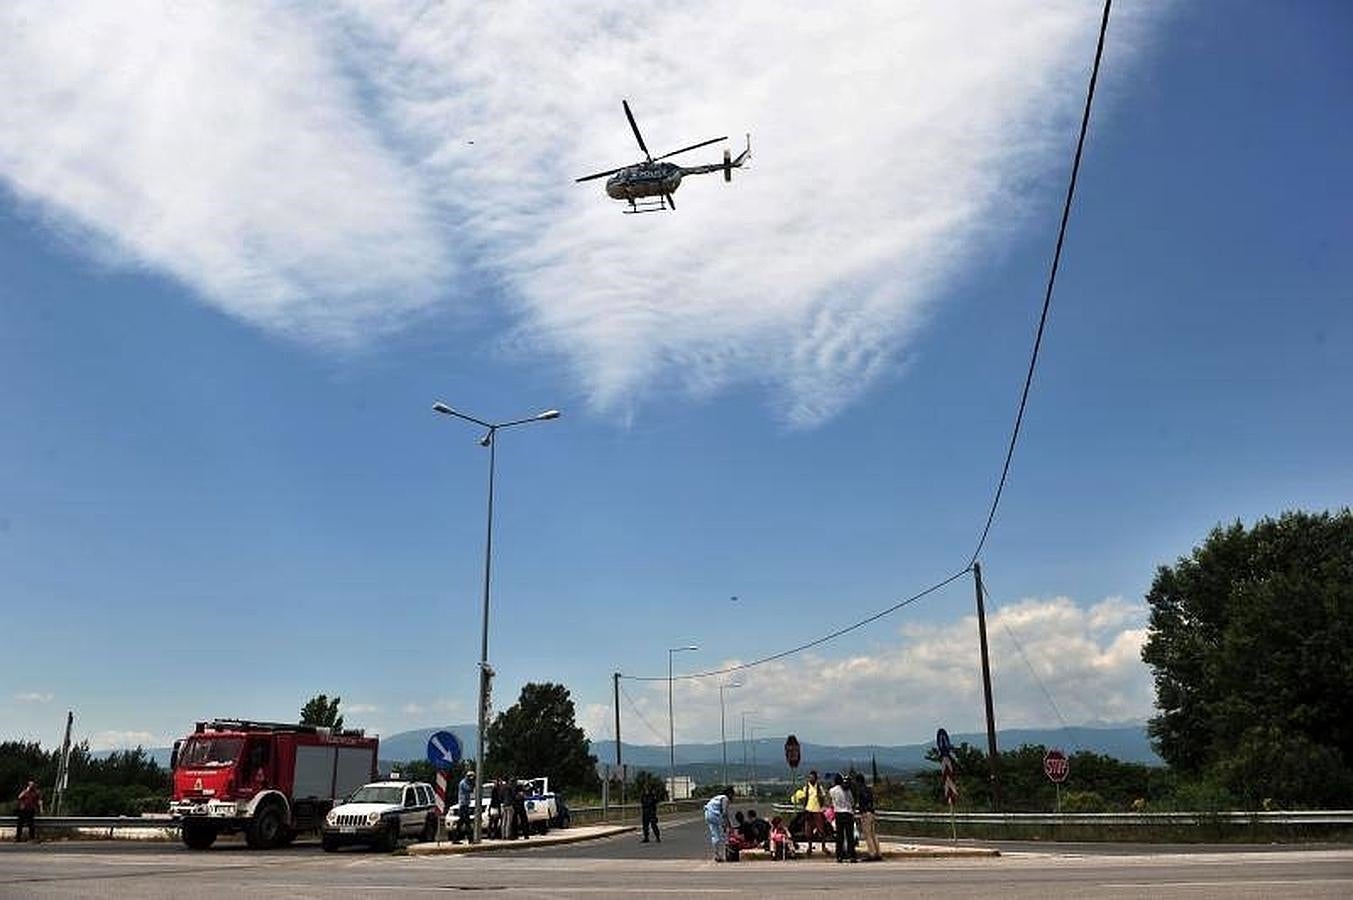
812 798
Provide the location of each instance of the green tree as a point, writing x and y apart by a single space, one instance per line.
1251 647
320 710
645 780
538 736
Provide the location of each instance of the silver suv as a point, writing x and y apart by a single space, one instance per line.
380 814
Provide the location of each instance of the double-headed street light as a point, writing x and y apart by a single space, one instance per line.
485 673
671 728
723 729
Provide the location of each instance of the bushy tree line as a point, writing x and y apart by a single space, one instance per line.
124 783
1096 783
1251 646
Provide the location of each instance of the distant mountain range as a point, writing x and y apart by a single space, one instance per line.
1127 742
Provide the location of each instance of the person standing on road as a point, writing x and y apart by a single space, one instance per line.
502 803
843 804
523 827
814 800
465 792
30 804
648 812
864 807
716 818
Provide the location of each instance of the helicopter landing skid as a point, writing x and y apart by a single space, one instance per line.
656 204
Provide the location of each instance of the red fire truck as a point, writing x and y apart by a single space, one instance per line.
268 779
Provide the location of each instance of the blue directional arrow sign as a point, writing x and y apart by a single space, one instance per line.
443 750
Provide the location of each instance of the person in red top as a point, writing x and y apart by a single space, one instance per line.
30 804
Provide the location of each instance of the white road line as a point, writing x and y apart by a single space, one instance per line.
1267 882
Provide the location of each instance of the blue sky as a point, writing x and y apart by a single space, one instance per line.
222 488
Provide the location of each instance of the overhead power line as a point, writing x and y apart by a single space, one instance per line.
1047 295
810 644
1014 433
635 707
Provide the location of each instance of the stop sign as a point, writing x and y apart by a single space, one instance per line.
792 751
1056 765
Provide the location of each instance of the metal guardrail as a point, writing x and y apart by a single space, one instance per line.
114 823
1191 818
101 822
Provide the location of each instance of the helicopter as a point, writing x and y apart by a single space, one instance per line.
648 186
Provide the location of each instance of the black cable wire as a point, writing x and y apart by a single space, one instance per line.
1052 280
813 643
1047 694
1019 416
635 707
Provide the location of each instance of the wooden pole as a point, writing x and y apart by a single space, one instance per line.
992 757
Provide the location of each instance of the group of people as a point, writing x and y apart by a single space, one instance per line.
825 815
832 814
507 809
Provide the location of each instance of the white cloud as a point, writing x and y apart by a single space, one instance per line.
360 709
124 740
321 173
1087 658
413 709
33 697
223 144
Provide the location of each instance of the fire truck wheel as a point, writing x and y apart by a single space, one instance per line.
198 835
267 828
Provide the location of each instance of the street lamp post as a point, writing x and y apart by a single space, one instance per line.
745 714
723 730
671 726
486 673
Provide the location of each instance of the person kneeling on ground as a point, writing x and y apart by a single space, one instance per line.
781 841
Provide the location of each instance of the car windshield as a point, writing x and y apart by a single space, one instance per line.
376 794
200 752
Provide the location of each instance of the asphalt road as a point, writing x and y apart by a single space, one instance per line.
621 866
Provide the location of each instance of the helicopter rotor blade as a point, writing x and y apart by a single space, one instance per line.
639 137
694 146
597 175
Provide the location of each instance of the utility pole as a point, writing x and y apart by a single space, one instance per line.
992 758
615 685
63 767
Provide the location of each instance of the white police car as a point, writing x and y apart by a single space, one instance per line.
381 813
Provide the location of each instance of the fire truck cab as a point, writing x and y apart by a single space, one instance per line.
269 780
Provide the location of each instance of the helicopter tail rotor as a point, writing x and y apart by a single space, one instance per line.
727 166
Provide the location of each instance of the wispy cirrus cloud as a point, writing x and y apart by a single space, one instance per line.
34 697
334 173
225 145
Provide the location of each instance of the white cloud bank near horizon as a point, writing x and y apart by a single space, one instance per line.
1088 658
333 174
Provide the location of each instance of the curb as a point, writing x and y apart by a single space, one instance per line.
894 853
447 849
